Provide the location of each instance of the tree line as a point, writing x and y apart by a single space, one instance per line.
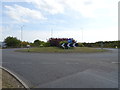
104 44
13 42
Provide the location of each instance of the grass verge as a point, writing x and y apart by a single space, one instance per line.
8 81
59 50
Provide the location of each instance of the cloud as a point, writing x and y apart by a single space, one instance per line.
87 8
50 6
84 7
59 6
91 8
21 14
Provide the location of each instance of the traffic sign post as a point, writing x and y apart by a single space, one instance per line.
101 45
28 46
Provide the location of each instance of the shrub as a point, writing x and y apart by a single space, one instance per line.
80 45
46 44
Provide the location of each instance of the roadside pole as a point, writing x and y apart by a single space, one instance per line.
101 45
28 46
21 34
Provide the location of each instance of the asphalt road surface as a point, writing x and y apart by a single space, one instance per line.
60 70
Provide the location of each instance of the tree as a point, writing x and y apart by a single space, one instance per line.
12 42
38 43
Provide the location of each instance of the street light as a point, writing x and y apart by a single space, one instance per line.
82 34
21 34
51 33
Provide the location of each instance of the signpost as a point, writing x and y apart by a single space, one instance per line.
101 45
28 46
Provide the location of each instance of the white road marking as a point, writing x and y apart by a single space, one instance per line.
48 63
116 62
71 63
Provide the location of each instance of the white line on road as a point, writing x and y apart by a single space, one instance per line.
48 63
116 62
71 63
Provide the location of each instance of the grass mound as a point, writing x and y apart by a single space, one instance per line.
59 50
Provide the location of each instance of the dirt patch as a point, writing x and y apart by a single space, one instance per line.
9 81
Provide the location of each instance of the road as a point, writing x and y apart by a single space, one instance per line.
60 70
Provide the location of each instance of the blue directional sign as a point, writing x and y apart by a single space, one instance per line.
70 40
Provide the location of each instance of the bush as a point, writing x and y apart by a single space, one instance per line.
62 42
80 45
46 44
24 44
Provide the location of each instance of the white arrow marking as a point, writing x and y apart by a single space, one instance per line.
74 45
63 45
68 44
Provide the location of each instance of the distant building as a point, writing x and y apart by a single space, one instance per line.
56 41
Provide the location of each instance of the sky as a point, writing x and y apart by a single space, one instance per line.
83 20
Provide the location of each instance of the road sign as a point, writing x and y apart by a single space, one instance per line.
63 45
28 46
102 45
74 44
68 45
70 40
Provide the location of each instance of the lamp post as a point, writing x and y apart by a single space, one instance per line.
51 33
82 33
21 34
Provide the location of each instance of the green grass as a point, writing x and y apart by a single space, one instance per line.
59 50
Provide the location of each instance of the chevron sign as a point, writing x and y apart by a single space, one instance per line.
68 45
63 45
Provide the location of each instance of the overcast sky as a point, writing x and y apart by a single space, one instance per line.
83 20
